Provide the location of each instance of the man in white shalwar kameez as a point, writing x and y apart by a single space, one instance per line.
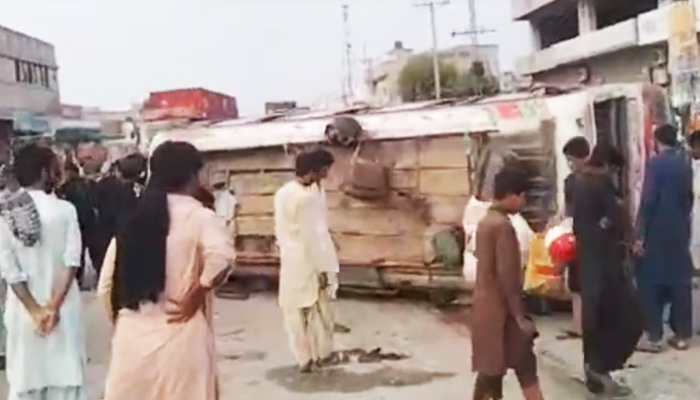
309 264
40 253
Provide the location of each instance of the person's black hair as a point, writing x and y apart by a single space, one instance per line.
30 161
139 275
667 135
132 166
71 167
313 161
694 139
510 181
604 155
324 157
205 197
577 147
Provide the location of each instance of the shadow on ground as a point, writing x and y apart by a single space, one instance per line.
339 380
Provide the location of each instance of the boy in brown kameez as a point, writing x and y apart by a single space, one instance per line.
502 333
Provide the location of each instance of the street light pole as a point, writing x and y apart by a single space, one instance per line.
436 62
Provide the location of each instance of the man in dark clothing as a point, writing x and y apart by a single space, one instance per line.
666 271
116 198
80 192
611 315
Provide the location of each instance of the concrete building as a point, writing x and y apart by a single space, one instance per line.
593 41
28 82
382 77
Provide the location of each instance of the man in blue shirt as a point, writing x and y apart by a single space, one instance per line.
663 240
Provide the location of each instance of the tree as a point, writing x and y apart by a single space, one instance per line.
417 80
476 82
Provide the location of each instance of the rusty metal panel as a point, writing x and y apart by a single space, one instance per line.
443 152
373 222
446 182
406 179
264 159
255 204
256 225
401 154
446 209
259 183
372 250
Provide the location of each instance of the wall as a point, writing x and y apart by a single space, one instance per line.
430 185
522 8
33 97
626 66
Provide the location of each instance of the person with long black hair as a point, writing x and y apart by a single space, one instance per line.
157 284
611 313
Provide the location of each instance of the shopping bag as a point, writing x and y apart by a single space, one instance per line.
543 278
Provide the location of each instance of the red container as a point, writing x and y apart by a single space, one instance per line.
195 104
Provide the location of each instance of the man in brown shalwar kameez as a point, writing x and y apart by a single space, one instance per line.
502 333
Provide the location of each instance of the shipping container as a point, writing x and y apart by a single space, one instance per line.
193 104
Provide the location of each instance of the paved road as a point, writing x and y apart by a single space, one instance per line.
255 363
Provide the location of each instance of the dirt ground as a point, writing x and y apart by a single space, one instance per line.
255 363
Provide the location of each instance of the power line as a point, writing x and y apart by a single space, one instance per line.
474 31
436 63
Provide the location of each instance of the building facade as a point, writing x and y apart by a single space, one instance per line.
383 77
28 82
594 41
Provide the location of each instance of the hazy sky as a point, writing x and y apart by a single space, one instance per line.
111 53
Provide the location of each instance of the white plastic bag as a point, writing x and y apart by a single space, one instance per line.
473 213
469 268
524 234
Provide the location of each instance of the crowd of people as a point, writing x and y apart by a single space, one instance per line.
628 279
161 249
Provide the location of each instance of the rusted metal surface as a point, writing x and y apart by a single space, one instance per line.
197 104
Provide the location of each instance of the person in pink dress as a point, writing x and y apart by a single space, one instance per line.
157 284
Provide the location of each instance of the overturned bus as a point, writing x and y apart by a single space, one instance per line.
420 153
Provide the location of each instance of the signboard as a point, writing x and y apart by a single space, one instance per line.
71 112
683 53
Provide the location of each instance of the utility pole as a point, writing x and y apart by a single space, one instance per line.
474 31
348 93
436 62
369 73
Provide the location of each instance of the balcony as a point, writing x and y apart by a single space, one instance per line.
523 8
600 42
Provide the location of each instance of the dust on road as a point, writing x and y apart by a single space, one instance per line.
255 363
